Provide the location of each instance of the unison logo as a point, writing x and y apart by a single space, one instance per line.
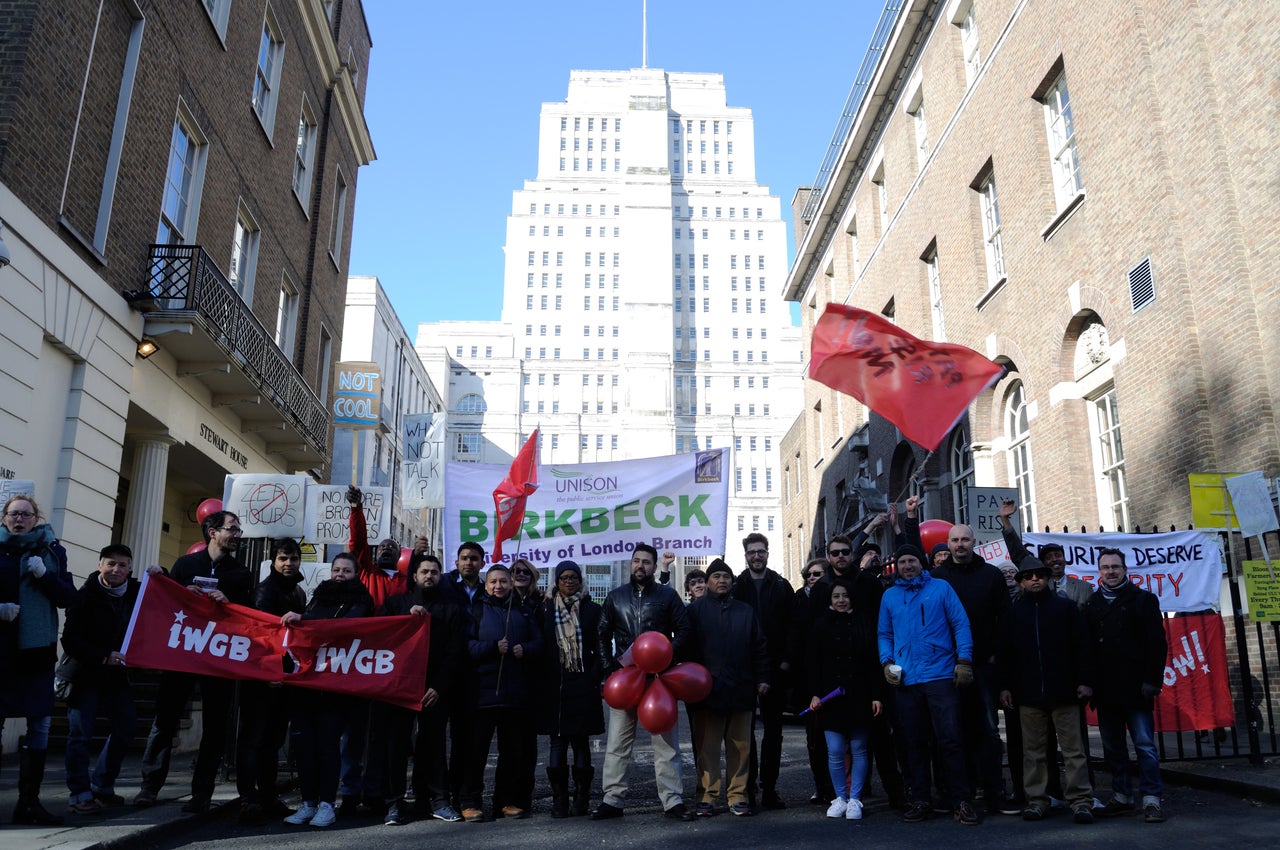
576 482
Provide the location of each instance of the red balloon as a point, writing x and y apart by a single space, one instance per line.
208 506
688 681
652 652
197 547
402 565
657 711
624 688
933 532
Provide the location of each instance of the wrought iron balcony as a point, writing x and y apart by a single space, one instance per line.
216 338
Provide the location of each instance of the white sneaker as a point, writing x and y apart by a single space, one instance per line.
304 814
838 808
325 816
854 811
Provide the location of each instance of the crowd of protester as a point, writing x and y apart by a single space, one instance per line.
901 665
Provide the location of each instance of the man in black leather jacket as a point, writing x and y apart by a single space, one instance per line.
642 605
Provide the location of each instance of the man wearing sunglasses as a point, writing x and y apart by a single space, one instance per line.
1045 667
216 572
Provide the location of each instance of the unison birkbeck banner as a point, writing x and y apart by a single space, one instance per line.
176 628
597 512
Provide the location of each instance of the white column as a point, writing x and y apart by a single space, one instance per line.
144 513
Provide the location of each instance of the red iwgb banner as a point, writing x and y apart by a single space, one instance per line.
1196 692
922 387
173 628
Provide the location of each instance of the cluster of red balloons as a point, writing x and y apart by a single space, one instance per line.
646 684
208 506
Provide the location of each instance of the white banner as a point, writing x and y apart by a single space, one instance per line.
422 471
268 505
328 515
597 512
1183 568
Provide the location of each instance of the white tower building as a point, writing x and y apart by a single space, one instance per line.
642 286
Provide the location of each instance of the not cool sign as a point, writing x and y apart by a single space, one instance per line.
356 395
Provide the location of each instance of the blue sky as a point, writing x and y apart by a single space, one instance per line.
454 92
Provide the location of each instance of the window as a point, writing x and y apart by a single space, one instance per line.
287 315
882 198
1061 129
244 254
218 10
1113 490
991 230
339 220
968 25
266 80
180 207
961 462
915 109
471 403
468 448
304 155
935 295
1017 431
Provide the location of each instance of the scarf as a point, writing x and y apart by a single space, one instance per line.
116 592
569 631
38 619
1108 594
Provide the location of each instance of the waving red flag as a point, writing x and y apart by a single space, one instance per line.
922 387
510 496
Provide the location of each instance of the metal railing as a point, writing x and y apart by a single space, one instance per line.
865 71
184 280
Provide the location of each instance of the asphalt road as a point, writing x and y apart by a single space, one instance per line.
1195 819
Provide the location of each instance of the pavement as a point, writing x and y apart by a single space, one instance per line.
126 827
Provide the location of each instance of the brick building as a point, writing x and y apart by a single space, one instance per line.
1084 193
176 177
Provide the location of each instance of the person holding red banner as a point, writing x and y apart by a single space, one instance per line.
317 717
503 645
216 572
264 708
1129 639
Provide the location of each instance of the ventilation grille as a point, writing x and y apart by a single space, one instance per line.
1142 288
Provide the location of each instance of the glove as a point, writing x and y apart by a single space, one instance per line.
892 678
964 673
9 611
35 566
1150 691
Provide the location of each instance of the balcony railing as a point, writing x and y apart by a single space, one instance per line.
186 284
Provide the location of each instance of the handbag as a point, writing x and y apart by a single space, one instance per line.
64 676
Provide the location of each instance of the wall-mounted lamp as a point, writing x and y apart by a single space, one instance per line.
5 258
146 348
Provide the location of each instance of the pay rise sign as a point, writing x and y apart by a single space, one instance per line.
598 511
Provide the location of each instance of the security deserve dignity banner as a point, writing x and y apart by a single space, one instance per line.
597 512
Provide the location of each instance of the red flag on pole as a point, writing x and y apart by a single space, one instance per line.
922 387
510 496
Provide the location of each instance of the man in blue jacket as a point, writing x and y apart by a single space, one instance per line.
926 650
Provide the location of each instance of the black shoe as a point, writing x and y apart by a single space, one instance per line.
742 810
917 812
770 800
1114 807
1151 813
964 814
350 807
196 806
677 812
1083 814
606 812
396 814
1033 813
704 810
819 800
251 814
1003 806
108 799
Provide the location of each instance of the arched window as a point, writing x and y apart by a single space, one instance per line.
960 458
471 403
1017 431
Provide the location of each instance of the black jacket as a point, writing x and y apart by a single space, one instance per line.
985 597
843 654
96 624
499 681
1046 654
631 610
772 604
569 701
279 595
1130 647
448 630
333 600
234 579
728 641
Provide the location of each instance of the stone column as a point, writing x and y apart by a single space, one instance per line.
144 512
